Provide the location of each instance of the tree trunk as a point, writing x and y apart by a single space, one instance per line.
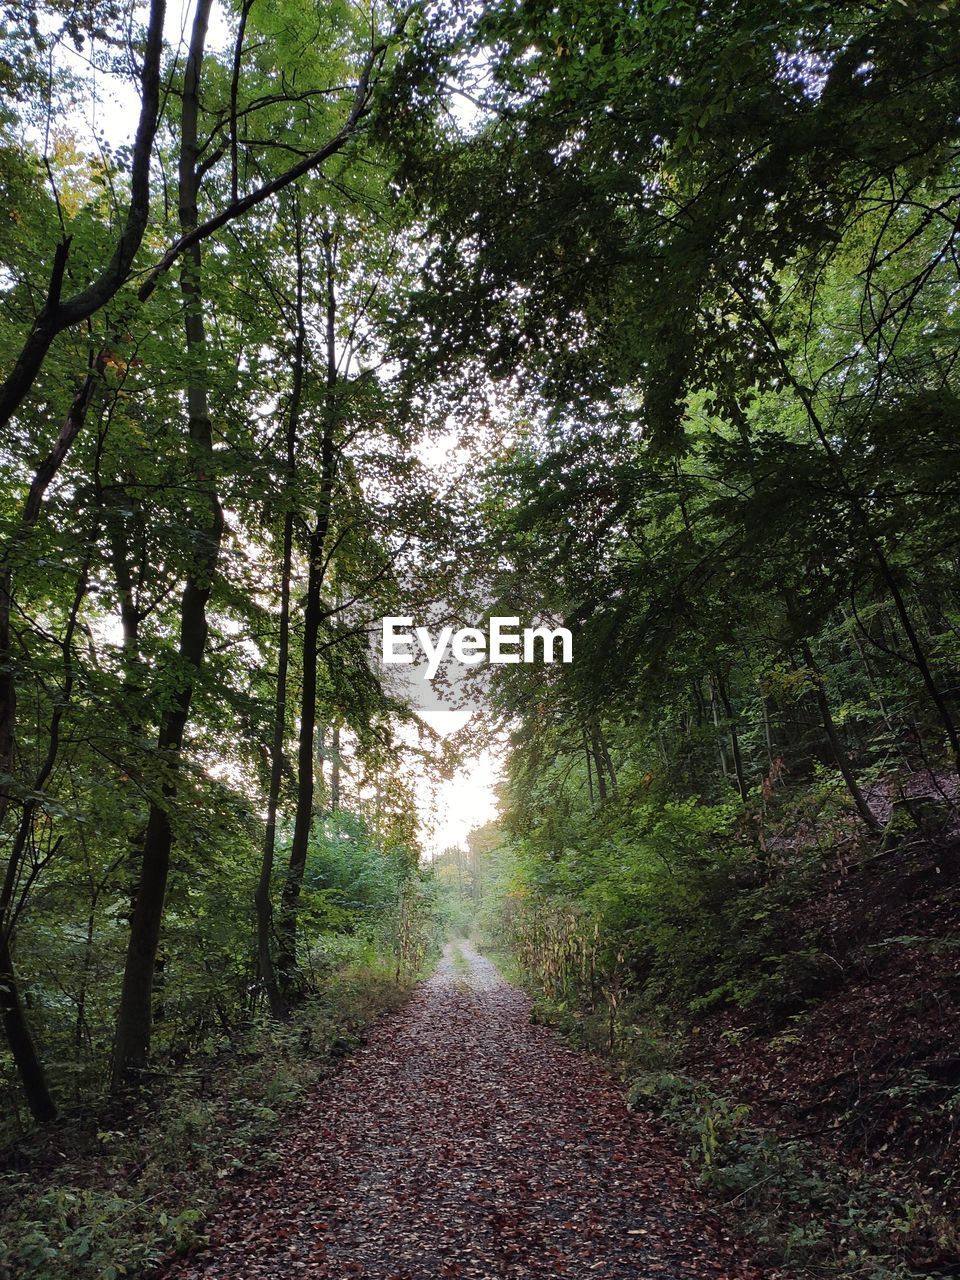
287 953
920 657
262 897
134 1018
721 753
316 565
699 703
22 1047
598 759
605 753
734 738
833 737
767 735
335 769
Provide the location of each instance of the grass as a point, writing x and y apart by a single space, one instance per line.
505 963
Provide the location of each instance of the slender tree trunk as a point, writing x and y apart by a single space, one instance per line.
833 737
873 677
598 759
721 753
262 897
134 1017
15 1023
320 772
335 769
120 537
920 657
734 738
287 952
699 703
80 1024
605 754
767 735
293 885
22 1046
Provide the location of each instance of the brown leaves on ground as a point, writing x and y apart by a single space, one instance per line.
464 1141
869 1069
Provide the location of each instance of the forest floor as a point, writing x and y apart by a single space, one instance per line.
463 1140
858 1088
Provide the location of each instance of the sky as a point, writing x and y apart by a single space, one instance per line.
466 800
449 807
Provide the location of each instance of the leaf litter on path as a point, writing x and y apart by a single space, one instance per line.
464 1141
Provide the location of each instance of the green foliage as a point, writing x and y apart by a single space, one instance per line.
660 901
695 266
118 1201
700 251
353 877
806 1210
100 572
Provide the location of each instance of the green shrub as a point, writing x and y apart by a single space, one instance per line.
127 1196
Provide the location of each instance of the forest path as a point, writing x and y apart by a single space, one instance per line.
463 1140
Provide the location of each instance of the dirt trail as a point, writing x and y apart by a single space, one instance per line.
464 1141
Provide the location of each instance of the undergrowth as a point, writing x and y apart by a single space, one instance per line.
814 1215
106 1196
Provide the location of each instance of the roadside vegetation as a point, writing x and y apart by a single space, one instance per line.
112 1193
794 1030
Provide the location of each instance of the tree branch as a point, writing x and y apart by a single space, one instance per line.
236 208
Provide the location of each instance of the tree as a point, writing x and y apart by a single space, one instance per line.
133 732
